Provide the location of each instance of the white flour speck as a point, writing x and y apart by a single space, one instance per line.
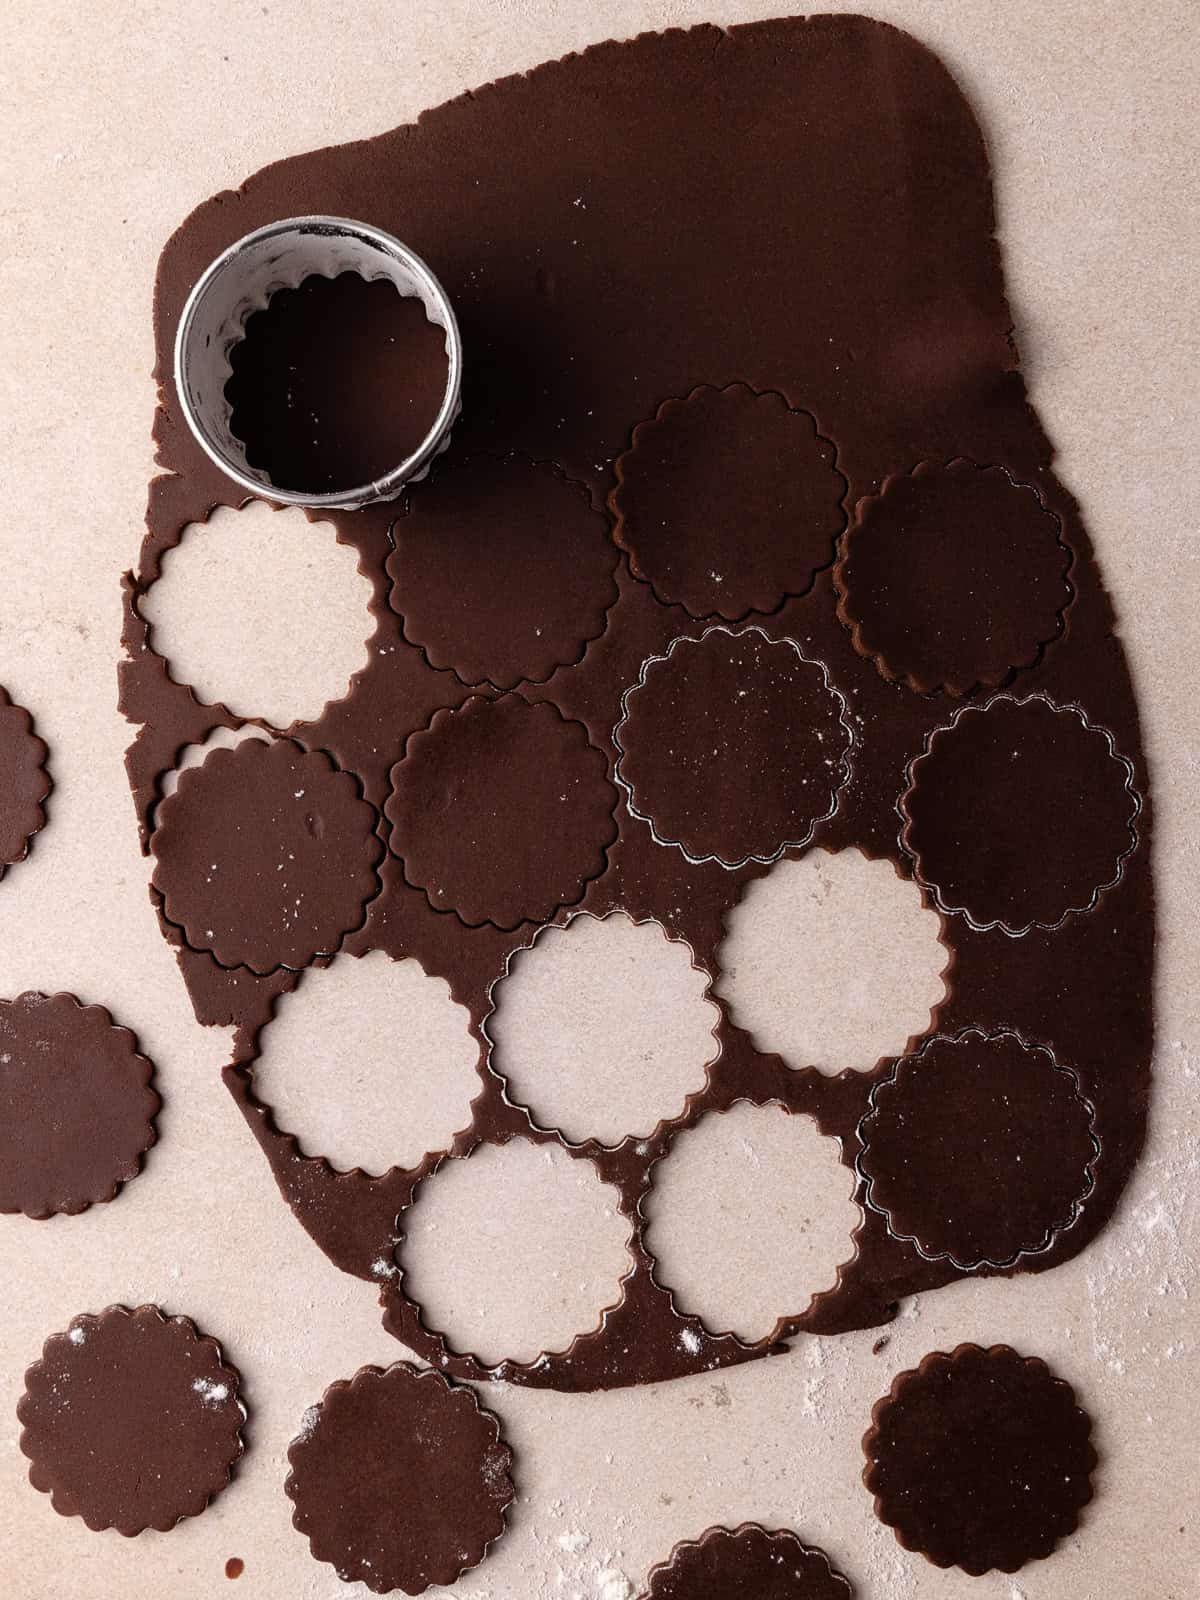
612 1584
690 1340
307 1423
77 1336
212 1394
810 1400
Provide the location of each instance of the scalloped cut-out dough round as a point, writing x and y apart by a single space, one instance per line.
370 1063
514 1250
748 1216
195 755
602 1028
262 611
833 961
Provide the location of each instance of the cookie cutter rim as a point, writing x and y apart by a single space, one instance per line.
197 412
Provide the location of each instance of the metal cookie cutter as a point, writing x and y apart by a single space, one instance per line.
241 281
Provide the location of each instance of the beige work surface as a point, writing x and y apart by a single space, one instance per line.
116 119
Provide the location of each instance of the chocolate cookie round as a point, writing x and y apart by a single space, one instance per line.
131 1420
978 1149
980 1459
1019 813
501 811
24 782
953 576
399 1479
728 501
733 746
76 1107
265 855
501 569
758 1563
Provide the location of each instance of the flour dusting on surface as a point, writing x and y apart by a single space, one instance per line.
1151 1250
307 1423
210 1392
612 1584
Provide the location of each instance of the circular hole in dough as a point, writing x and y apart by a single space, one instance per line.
370 1063
261 611
514 1250
833 961
749 1216
602 1027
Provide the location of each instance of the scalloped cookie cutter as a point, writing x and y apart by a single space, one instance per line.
241 281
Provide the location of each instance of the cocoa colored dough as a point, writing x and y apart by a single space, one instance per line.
803 207
523 807
337 381
265 855
746 1563
732 746
980 1459
76 1107
1013 1142
131 1420
1019 813
728 471
399 1479
953 577
24 782
502 569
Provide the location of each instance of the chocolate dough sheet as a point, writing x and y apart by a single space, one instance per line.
796 218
